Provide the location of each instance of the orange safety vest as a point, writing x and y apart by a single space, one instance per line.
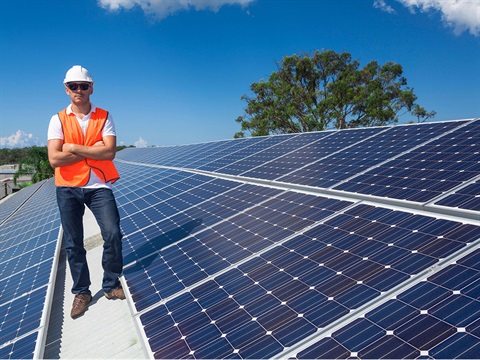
78 174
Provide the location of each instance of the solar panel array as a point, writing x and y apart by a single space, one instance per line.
28 257
359 243
413 163
317 245
12 203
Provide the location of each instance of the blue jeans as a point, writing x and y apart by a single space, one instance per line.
71 204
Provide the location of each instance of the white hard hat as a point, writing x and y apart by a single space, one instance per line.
77 73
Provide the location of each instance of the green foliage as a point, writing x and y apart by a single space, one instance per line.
24 185
327 90
121 147
36 164
12 156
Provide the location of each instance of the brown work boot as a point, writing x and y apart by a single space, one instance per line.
80 305
118 293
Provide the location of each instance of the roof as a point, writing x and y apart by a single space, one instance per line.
332 244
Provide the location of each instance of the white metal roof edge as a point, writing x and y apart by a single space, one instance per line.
47 307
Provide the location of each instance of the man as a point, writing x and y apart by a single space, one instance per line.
81 149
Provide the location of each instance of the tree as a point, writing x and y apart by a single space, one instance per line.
328 90
11 156
35 163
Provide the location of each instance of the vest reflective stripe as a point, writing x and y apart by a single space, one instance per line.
78 174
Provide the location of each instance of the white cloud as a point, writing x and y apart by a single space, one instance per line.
161 9
461 15
19 139
382 5
141 143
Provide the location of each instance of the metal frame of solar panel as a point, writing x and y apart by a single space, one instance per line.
29 250
255 249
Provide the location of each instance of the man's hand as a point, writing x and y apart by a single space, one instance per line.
102 150
68 148
74 148
59 155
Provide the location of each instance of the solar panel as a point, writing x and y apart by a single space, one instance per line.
28 249
467 197
285 168
187 155
11 203
217 210
427 171
23 348
357 158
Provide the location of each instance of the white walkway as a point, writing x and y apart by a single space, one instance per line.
106 330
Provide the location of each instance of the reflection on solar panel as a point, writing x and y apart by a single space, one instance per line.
291 246
337 244
28 248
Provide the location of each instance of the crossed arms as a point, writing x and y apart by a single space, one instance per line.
62 154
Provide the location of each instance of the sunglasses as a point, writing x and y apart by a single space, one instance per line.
82 86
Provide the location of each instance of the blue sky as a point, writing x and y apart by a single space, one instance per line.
173 71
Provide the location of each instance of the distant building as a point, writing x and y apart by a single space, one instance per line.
7 186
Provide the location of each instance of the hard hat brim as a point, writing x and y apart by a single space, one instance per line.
76 80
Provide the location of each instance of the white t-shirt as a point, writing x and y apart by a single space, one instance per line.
55 132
